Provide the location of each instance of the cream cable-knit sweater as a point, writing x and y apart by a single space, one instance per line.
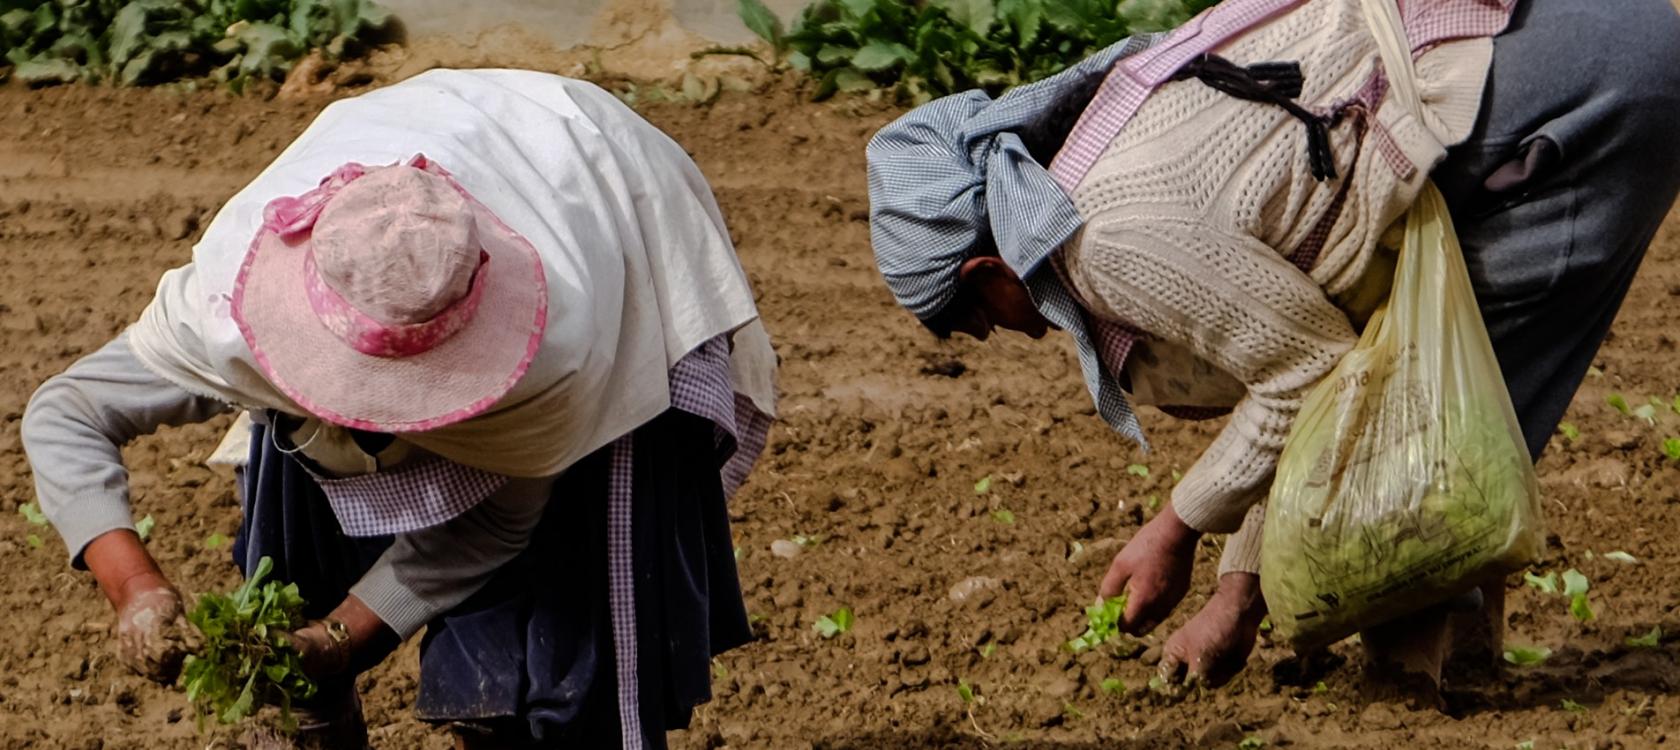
1194 207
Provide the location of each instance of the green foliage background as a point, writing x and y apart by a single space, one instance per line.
153 41
930 48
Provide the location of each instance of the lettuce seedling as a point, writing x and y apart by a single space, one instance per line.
1102 624
248 660
1652 639
829 626
32 514
1527 656
1575 587
1619 403
144 527
1547 584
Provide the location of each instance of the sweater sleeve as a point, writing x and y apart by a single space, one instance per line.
427 572
74 429
1235 302
1242 549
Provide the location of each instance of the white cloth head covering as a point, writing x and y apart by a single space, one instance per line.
639 264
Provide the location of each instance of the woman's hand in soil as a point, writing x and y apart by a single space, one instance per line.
153 635
1214 645
1153 570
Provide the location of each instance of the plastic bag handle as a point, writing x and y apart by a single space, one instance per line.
1383 16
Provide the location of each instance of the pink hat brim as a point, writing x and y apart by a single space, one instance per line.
459 378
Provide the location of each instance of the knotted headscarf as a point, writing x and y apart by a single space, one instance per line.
965 176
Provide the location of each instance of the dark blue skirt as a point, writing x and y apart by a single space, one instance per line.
530 656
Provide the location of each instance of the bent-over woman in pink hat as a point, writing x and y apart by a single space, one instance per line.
502 370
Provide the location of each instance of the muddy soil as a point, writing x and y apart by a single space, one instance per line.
885 433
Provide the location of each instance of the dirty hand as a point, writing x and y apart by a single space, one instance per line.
153 635
1153 569
1214 645
321 653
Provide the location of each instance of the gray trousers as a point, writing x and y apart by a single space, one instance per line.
1570 171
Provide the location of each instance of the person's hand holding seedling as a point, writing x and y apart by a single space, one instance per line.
1153 570
153 635
350 636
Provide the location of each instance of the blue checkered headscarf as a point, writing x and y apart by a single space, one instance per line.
963 176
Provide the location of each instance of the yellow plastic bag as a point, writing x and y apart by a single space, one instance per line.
1405 479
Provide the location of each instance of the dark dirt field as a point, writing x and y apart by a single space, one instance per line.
885 432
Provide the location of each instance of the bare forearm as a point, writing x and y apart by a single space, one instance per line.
121 565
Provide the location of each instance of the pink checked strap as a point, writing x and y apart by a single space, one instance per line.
1133 78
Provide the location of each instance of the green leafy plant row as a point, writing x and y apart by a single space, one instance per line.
923 49
155 41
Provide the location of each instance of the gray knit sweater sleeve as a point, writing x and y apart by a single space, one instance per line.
428 572
74 429
76 424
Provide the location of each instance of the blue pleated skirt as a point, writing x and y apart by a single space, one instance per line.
530 657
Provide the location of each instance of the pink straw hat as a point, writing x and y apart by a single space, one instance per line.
389 299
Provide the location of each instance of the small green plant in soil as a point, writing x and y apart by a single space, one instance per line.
1102 620
1652 639
1546 584
829 626
144 526
1527 656
1671 448
247 661
1619 402
32 514
1570 431
1575 587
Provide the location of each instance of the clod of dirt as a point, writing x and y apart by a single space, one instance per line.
180 224
1380 716
1602 473
981 590
1221 734
1621 440
785 549
937 364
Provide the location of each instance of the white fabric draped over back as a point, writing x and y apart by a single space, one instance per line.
639 265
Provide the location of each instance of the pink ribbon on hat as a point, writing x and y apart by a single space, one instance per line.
290 217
